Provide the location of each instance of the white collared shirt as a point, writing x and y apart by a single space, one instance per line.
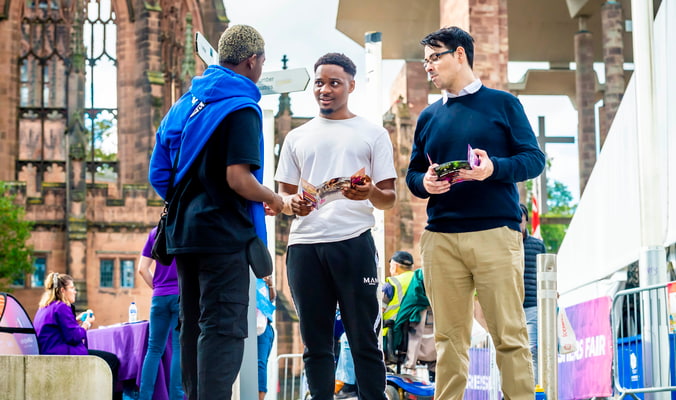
469 89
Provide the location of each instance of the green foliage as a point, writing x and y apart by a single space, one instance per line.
15 254
103 132
559 204
552 235
559 200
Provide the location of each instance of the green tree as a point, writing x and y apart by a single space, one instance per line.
103 132
15 254
559 204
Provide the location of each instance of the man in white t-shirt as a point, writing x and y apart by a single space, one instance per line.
332 256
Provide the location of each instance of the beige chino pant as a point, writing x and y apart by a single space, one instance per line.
492 262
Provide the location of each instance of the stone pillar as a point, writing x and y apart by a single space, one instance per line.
405 222
613 59
76 186
585 86
10 32
486 21
603 123
401 232
455 13
283 118
283 125
214 20
140 91
411 87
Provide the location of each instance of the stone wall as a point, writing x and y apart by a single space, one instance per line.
9 49
55 377
116 229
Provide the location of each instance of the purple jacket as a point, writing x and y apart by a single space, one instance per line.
58 331
165 278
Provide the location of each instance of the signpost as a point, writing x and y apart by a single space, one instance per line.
204 50
275 82
283 81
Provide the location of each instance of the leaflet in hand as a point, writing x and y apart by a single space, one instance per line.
330 190
449 170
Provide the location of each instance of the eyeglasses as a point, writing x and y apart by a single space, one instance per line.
434 57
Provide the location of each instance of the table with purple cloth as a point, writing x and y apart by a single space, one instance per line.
130 343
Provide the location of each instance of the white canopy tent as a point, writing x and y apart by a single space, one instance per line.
604 235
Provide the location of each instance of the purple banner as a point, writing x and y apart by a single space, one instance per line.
480 382
586 373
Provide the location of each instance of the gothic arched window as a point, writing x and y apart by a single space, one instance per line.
100 37
57 36
42 93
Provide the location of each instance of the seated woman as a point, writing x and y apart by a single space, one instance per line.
57 328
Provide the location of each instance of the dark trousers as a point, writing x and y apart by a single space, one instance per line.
214 296
321 275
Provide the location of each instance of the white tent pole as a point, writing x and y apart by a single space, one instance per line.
652 168
373 46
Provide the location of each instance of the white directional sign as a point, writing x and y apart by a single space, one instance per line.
284 81
204 50
275 82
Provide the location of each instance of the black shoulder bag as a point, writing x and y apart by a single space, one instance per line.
159 250
259 258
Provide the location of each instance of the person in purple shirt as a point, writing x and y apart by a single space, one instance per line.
57 328
163 320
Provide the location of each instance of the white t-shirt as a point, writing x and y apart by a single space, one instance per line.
323 149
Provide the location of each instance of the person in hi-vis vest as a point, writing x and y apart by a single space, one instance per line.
401 273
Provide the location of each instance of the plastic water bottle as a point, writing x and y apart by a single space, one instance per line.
133 312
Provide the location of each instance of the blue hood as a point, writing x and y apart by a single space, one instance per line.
193 118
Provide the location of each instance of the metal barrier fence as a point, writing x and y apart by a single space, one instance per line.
643 362
292 384
483 382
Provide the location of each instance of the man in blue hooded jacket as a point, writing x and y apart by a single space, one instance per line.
218 205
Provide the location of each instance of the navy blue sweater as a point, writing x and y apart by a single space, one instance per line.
491 120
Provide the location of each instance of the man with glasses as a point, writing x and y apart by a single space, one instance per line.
472 239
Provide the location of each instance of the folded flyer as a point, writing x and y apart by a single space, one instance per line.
330 190
448 171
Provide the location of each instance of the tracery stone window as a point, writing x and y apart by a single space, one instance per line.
100 37
42 93
48 53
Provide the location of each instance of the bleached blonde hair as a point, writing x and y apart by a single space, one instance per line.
239 42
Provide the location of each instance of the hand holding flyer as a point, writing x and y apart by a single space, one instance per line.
449 170
332 189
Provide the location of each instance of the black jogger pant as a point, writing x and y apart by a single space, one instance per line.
321 275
